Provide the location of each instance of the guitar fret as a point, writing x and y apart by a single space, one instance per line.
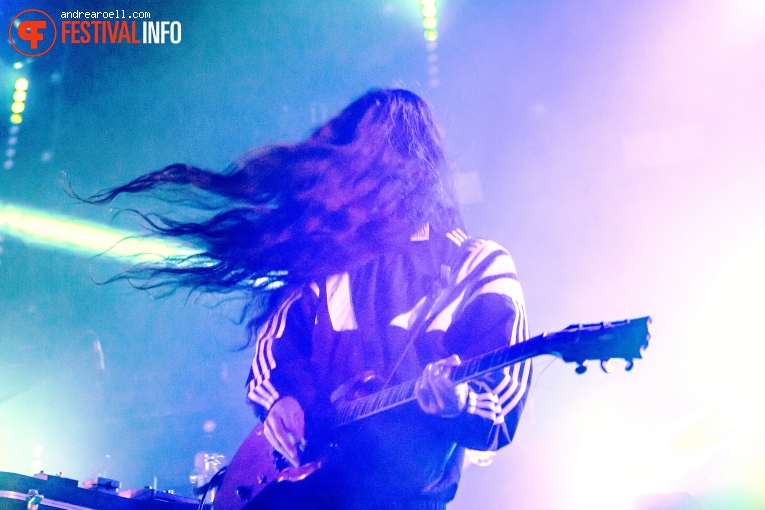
368 405
342 414
401 393
472 367
375 404
388 397
363 403
355 408
488 361
361 407
410 390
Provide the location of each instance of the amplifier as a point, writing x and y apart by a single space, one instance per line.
19 492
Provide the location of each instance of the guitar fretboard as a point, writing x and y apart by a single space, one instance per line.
578 343
399 394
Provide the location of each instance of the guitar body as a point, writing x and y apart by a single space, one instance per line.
255 466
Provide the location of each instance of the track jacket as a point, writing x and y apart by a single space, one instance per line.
465 297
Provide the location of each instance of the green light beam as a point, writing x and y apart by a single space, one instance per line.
67 233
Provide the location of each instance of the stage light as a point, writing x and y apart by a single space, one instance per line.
38 450
18 65
68 233
19 96
429 19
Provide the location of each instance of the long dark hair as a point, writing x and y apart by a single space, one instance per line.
286 215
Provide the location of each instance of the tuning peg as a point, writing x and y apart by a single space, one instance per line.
606 366
630 365
581 367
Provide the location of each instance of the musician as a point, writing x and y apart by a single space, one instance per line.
351 248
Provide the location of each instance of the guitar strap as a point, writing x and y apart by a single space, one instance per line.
428 313
419 322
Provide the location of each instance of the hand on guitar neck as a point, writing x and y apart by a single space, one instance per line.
436 392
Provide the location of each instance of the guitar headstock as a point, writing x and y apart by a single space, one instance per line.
580 343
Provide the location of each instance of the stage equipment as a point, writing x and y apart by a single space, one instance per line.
19 492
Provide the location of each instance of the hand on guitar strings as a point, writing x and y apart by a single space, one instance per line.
285 428
436 392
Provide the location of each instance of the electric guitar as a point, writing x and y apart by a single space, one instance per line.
256 465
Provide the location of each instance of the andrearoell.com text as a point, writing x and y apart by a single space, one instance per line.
113 27
113 14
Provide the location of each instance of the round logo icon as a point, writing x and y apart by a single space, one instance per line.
32 33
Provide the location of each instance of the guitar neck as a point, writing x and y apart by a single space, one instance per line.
399 394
